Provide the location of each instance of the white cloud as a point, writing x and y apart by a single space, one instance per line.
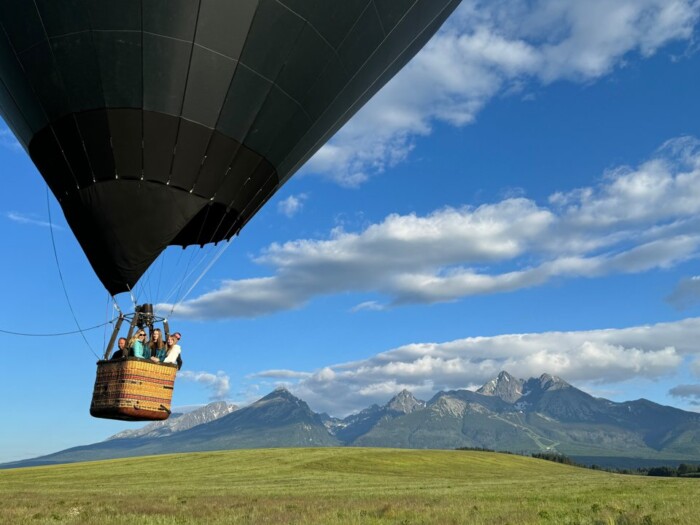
217 383
31 220
689 392
587 358
292 205
686 293
686 391
634 220
491 48
369 305
286 374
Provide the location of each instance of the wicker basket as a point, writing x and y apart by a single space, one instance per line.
133 389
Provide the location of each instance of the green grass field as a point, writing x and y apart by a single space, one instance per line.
340 485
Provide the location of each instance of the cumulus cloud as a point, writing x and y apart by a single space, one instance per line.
594 358
488 49
688 392
686 293
283 374
598 361
635 220
31 220
291 205
217 383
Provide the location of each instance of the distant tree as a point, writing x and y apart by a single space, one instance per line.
688 471
668 472
556 457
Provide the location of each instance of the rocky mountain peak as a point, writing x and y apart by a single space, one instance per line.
404 402
449 406
550 382
504 386
280 393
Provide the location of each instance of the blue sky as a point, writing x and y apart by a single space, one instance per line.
524 195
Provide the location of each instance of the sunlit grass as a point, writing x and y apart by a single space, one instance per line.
340 485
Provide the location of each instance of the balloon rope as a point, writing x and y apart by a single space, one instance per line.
201 276
60 274
172 267
206 253
185 275
116 304
133 299
25 334
104 332
160 273
177 286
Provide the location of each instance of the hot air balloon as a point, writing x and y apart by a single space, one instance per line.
171 122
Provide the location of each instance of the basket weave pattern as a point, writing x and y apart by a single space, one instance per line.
133 389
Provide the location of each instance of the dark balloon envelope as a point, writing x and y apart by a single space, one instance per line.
171 122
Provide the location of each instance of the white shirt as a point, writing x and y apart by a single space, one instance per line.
173 353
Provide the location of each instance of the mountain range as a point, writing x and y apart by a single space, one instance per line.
508 414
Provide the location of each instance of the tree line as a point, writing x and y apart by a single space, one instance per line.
684 470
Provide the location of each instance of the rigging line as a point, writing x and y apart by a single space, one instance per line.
204 272
116 304
104 332
160 273
135 293
173 267
146 283
150 285
141 294
184 276
131 293
206 252
60 274
25 334
173 287
143 282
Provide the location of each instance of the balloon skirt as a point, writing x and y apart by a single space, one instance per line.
133 389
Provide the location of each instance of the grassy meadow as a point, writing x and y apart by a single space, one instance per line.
340 485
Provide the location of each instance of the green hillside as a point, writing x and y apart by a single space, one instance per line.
340 485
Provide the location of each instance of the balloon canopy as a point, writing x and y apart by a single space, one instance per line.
171 122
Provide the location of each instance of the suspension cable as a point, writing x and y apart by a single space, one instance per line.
104 332
201 275
160 273
116 304
175 290
60 274
184 276
25 334
133 298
